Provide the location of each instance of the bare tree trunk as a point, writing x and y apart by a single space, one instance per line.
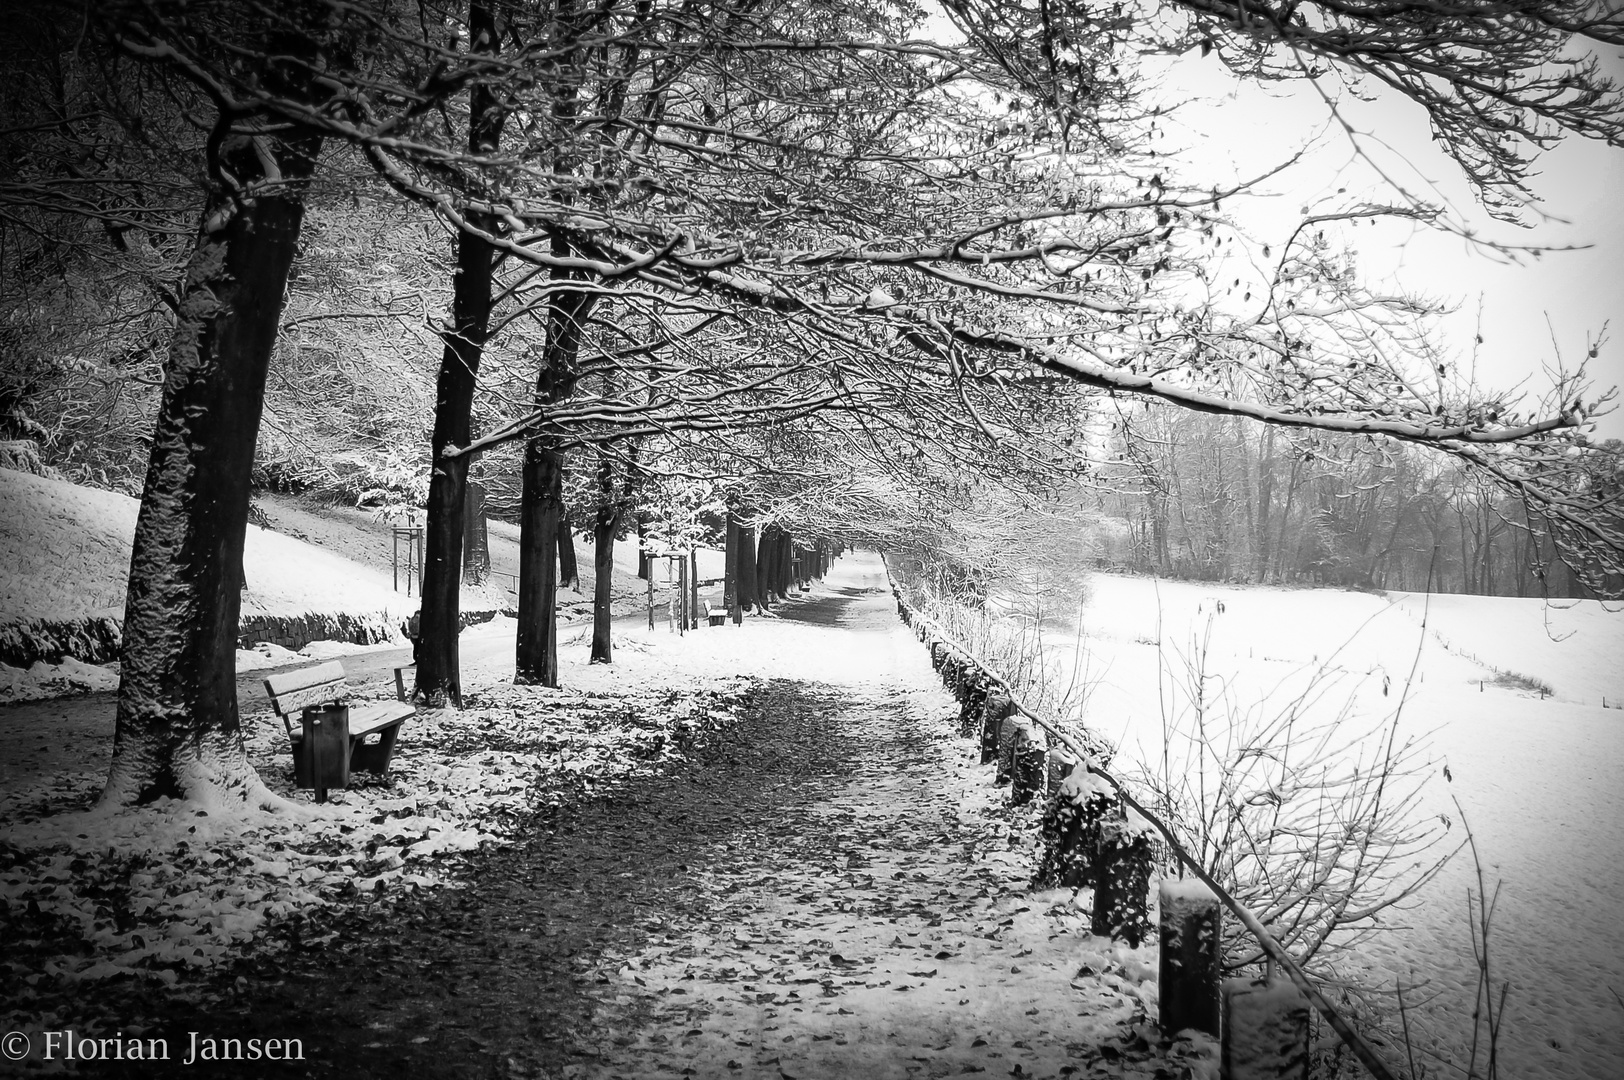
1285 519
730 569
764 558
569 572
540 511
747 568
603 564
605 525
439 679
1265 492
693 587
476 557
177 733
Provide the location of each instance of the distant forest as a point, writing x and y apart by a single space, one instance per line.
1214 498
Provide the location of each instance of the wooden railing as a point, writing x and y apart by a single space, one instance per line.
1111 851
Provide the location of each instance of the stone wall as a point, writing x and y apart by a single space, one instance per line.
96 641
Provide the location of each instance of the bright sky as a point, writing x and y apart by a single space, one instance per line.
1536 315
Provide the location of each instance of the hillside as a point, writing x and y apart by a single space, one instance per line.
322 572
66 553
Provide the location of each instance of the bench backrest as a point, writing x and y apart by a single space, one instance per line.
293 690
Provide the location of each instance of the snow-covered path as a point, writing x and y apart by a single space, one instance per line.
829 889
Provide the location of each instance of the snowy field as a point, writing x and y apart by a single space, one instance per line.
1537 777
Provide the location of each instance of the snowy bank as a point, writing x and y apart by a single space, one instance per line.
66 553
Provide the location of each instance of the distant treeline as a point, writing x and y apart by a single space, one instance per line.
1221 499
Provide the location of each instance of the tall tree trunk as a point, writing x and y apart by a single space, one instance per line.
475 549
439 679
569 573
603 564
785 564
764 558
1265 492
747 567
730 569
1285 519
540 511
177 732
644 560
605 525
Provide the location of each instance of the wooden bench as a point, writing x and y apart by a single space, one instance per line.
713 616
373 727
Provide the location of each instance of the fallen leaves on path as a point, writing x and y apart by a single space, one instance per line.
159 891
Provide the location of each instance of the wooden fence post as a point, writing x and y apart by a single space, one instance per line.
974 703
1027 765
1071 831
1188 978
998 708
1008 732
1061 765
1265 1031
1122 883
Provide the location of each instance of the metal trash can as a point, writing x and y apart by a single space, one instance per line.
325 749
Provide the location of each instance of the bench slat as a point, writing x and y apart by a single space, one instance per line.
331 671
365 719
295 700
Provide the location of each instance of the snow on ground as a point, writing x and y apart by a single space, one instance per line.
1574 646
448 791
1537 779
64 549
66 553
41 680
195 888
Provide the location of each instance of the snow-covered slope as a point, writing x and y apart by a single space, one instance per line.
66 552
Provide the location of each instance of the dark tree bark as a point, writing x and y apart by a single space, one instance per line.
569 573
605 525
541 511
177 733
783 550
439 678
693 588
764 562
730 569
541 514
747 567
643 559
476 556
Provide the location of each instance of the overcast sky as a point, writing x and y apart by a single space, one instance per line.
1532 315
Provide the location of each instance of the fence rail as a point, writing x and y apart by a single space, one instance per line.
1241 1005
